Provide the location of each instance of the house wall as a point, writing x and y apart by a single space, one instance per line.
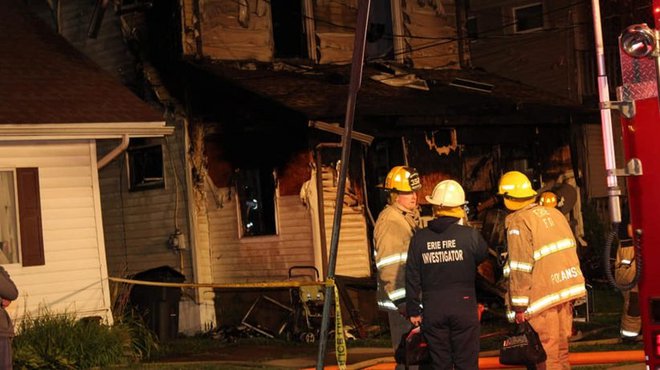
546 58
353 247
138 223
232 31
541 59
262 258
430 32
431 35
74 278
72 18
334 23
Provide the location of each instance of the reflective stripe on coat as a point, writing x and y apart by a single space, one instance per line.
394 228
543 266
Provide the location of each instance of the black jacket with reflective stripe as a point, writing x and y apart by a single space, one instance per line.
442 257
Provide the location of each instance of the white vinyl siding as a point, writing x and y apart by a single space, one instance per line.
138 223
353 248
259 258
73 279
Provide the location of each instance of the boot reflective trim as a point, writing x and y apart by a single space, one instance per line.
521 266
629 334
387 305
553 247
520 300
397 294
392 259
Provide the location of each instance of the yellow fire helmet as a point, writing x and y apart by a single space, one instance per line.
548 199
402 179
517 190
514 184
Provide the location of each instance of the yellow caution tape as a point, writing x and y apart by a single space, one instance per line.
274 284
340 339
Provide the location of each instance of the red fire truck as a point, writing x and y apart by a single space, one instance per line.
638 104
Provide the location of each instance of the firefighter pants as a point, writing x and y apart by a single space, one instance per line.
631 322
554 328
451 327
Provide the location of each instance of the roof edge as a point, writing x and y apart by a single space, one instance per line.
59 131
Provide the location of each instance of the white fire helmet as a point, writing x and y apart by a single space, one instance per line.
448 193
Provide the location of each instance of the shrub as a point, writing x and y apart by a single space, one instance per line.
59 341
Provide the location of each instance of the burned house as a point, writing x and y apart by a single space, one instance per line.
244 190
271 98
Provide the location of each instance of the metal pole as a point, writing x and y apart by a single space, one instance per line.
613 189
354 86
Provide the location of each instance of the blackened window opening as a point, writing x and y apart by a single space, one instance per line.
529 18
145 166
256 197
288 32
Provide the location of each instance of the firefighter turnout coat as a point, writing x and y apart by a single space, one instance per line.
542 267
394 228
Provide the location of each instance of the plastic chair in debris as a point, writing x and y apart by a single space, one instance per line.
267 316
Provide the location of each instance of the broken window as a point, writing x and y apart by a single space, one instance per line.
528 18
380 40
256 199
288 31
145 167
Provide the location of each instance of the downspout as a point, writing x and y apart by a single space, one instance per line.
114 152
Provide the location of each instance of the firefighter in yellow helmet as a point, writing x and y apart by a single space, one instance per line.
548 199
543 269
395 226
442 269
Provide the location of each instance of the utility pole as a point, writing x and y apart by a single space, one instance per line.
354 87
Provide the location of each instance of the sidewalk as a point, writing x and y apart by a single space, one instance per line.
382 359
364 358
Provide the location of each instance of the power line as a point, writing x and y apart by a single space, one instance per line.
438 41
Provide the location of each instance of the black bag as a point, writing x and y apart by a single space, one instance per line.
522 347
413 349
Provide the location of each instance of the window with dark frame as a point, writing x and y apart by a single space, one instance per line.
256 199
21 231
471 27
380 38
528 18
145 167
288 32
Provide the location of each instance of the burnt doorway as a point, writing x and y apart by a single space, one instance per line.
288 32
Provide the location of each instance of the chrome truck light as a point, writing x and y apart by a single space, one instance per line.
638 41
